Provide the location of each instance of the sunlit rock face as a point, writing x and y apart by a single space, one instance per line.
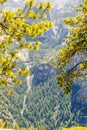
23 55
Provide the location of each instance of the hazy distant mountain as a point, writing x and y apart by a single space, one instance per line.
61 9
18 3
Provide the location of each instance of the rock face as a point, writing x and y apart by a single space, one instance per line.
42 73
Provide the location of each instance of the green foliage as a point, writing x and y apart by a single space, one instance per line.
16 127
6 124
2 1
76 46
14 26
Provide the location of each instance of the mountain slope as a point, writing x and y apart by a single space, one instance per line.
45 104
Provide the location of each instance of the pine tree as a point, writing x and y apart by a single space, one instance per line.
76 46
16 127
29 21
6 124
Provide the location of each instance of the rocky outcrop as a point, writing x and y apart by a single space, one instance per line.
42 73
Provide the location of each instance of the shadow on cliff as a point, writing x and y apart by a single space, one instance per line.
42 73
79 102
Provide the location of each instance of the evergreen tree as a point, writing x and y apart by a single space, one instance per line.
16 127
6 124
29 21
76 46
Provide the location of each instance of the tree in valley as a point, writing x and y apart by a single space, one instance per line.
29 21
75 47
